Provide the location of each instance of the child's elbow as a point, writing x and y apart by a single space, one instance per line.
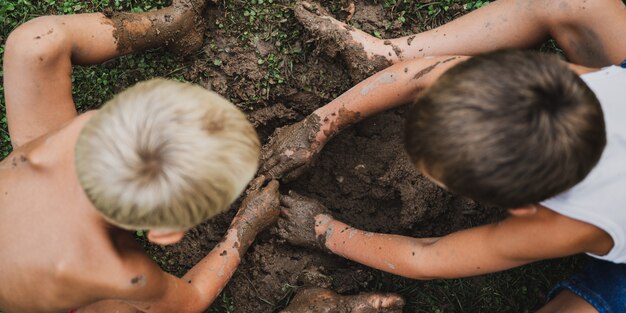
37 42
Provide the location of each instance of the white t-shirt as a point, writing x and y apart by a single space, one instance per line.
600 199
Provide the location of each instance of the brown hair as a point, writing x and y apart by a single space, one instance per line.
509 128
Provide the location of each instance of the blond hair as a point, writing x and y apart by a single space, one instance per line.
165 154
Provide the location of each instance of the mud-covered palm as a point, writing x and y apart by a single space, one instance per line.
260 208
292 149
298 220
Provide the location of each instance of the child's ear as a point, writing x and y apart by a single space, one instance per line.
524 211
165 237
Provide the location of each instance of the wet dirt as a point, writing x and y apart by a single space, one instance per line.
291 149
363 175
333 41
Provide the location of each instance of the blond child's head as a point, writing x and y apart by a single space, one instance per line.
165 155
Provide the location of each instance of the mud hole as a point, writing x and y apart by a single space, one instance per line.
363 175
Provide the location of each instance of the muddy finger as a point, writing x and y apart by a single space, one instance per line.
256 183
270 186
288 201
285 212
307 5
283 228
268 163
295 173
279 170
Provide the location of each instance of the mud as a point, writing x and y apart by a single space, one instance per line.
258 210
342 119
333 40
300 218
427 70
291 149
179 27
363 176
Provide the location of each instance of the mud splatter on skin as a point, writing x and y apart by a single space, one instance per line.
50 31
334 40
179 27
426 70
383 79
409 40
395 48
258 210
448 60
290 148
139 280
326 301
343 119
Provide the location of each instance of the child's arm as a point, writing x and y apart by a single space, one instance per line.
39 55
38 68
152 290
294 147
513 242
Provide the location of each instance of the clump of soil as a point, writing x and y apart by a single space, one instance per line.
338 41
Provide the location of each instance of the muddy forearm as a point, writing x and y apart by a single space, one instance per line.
395 254
392 87
214 271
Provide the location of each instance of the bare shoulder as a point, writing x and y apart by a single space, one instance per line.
587 237
539 233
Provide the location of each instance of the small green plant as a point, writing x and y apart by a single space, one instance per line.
472 5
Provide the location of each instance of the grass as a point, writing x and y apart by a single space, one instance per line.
251 21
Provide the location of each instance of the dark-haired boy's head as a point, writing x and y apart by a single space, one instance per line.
510 128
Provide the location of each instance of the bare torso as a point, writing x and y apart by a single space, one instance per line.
49 231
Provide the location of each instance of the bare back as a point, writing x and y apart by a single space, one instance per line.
53 240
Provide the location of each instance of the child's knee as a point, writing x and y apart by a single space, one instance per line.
39 41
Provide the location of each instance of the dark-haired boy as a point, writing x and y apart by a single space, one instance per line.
520 130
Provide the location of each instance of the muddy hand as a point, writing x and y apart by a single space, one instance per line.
292 149
326 301
260 208
299 217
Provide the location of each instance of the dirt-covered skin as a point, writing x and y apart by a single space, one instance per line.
180 27
334 40
319 300
300 217
342 119
292 149
259 209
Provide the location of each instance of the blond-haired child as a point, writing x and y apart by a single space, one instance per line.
162 156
